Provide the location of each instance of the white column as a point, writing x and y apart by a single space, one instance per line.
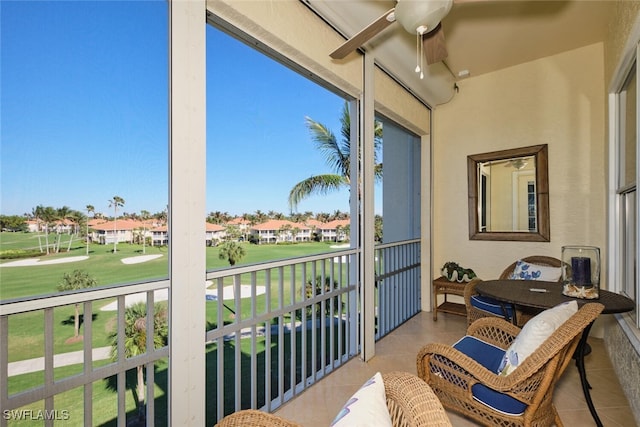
426 234
187 211
367 264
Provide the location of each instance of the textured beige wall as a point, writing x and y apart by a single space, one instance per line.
559 101
618 43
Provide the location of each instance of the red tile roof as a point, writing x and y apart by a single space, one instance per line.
214 227
120 224
277 224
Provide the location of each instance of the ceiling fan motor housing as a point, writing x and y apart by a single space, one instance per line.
413 14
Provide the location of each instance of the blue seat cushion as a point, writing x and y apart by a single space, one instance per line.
492 306
489 356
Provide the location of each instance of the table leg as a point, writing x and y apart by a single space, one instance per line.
505 312
580 353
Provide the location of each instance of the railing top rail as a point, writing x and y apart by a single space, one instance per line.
398 243
39 302
250 268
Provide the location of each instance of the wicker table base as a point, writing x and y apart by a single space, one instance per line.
442 286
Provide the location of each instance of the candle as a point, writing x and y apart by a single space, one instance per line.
581 267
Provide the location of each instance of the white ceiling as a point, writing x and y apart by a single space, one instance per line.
481 36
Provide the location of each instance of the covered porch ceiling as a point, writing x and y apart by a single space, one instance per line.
481 36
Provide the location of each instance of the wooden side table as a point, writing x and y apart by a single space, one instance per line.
442 286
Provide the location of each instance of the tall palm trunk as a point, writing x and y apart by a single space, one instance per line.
46 237
140 388
70 240
77 321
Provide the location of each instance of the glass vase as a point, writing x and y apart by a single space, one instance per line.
581 271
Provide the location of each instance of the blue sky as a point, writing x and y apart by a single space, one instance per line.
84 114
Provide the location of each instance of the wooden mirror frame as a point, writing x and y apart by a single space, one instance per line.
540 153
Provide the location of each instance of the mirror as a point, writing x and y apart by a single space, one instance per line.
509 195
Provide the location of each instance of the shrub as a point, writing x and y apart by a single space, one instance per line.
19 253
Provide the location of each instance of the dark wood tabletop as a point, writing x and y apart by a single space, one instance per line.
519 292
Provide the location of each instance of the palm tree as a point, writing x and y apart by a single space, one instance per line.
79 279
115 203
232 252
37 214
90 209
135 341
144 216
62 214
337 154
49 216
76 218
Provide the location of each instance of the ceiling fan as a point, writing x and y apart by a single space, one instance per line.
419 17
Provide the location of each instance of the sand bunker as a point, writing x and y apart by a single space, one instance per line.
210 294
139 259
229 292
36 261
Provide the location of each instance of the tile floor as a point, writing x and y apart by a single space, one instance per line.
317 406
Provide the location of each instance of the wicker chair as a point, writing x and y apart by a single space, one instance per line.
452 374
410 401
522 315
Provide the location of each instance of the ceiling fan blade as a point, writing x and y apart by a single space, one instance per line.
434 46
364 35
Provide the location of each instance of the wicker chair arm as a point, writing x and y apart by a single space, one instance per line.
455 357
494 330
412 403
255 418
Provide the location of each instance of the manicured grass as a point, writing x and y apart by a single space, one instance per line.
71 403
26 331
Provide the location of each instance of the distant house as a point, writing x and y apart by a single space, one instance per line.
314 225
160 236
242 224
119 231
281 230
334 231
33 226
96 221
213 234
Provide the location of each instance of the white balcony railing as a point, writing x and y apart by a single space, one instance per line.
273 330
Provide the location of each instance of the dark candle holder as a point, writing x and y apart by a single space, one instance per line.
581 271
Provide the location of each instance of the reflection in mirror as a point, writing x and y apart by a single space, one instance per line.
508 195
507 198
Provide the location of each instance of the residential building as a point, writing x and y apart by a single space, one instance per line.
281 230
334 231
214 233
120 230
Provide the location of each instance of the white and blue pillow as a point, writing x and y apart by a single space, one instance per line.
366 408
527 271
534 333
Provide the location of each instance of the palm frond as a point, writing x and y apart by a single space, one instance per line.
319 184
326 142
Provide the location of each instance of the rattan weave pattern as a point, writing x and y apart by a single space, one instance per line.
451 374
410 401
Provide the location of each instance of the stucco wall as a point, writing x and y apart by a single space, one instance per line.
557 101
620 338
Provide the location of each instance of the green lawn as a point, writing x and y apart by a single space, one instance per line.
26 331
